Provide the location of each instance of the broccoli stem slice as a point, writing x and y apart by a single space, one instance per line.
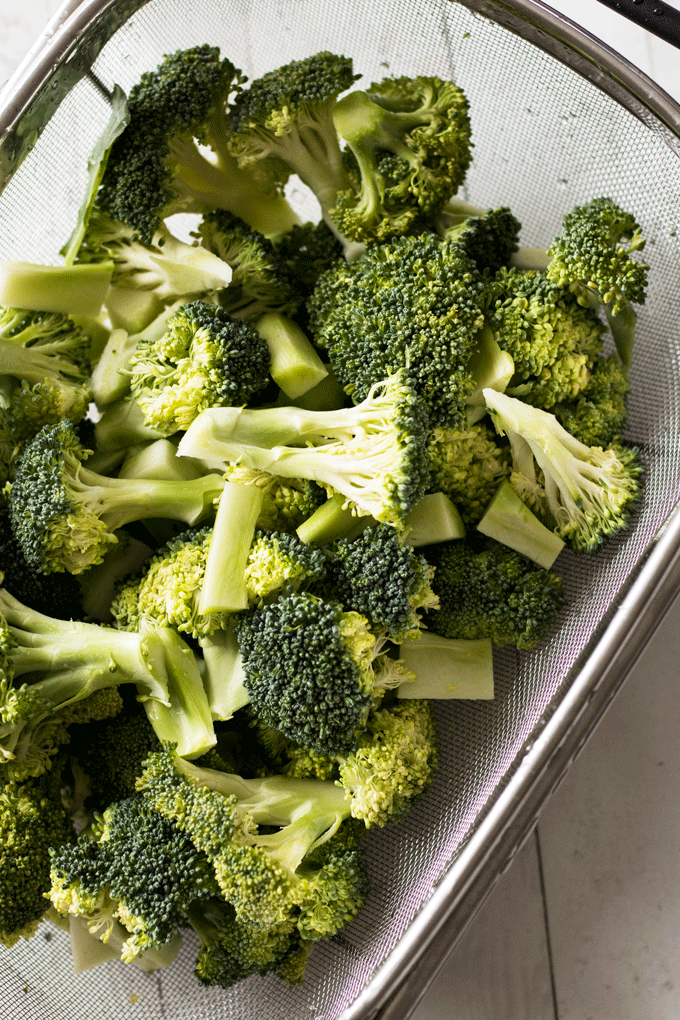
295 365
88 950
448 668
77 290
491 368
333 520
122 425
510 521
224 675
224 587
433 519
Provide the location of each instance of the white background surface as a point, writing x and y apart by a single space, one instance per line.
585 925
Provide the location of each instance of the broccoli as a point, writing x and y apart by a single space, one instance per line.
260 281
65 516
488 236
468 465
598 415
62 290
414 304
376 574
155 167
373 453
554 340
494 593
278 560
307 250
301 867
48 353
135 866
410 143
584 492
283 124
287 502
32 819
313 669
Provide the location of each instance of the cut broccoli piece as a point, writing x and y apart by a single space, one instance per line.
598 415
488 236
374 453
277 561
65 516
295 365
414 304
448 668
156 168
61 290
307 250
287 501
494 593
584 492
510 521
204 359
468 465
411 148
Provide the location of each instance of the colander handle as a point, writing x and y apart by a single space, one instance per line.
654 15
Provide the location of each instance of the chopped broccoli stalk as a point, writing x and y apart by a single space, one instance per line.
585 492
159 460
65 516
510 521
69 290
224 679
493 593
224 586
88 950
373 453
120 426
327 395
410 142
295 365
204 359
490 367
287 501
334 519
131 310
433 519
448 668
155 167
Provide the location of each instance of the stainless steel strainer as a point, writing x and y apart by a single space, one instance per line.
558 118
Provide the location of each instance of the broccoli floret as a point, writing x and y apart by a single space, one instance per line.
488 236
414 304
65 516
49 354
411 148
279 560
313 670
584 492
598 415
204 359
376 574
135 866
287 501
32 819
494 593
260 281
468 465
284 123
373 453
164 267
155 168
291 870
553 339
307 250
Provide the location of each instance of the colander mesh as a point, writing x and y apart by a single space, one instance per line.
545 140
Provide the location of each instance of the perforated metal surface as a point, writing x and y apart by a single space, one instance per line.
545 139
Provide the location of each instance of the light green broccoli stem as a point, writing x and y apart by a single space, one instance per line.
71 290
37 364
327 395
433 519
224 675
122 425
336 518
89 951
295 365
490 367
131 310
510 521
224 587
159 460
447 668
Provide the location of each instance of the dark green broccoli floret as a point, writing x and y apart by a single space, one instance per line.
260 280
155 168
373 453
65 516
411 148
307 250
284 123
415 305
494 593
376 574
204 359
553 339
313 670
468 465
489 238
598 415
583 492
135 866
32 819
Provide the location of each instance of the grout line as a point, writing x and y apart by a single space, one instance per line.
551 968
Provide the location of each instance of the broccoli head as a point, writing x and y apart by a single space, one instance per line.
468 465
488 237
598 415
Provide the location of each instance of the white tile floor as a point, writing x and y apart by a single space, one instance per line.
585 925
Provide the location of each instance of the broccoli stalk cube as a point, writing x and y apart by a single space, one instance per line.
433 519
224 586
448 668
510 521
224 679
71 290
295 365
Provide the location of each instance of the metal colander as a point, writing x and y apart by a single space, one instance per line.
557 119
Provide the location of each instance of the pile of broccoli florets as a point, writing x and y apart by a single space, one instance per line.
271 489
